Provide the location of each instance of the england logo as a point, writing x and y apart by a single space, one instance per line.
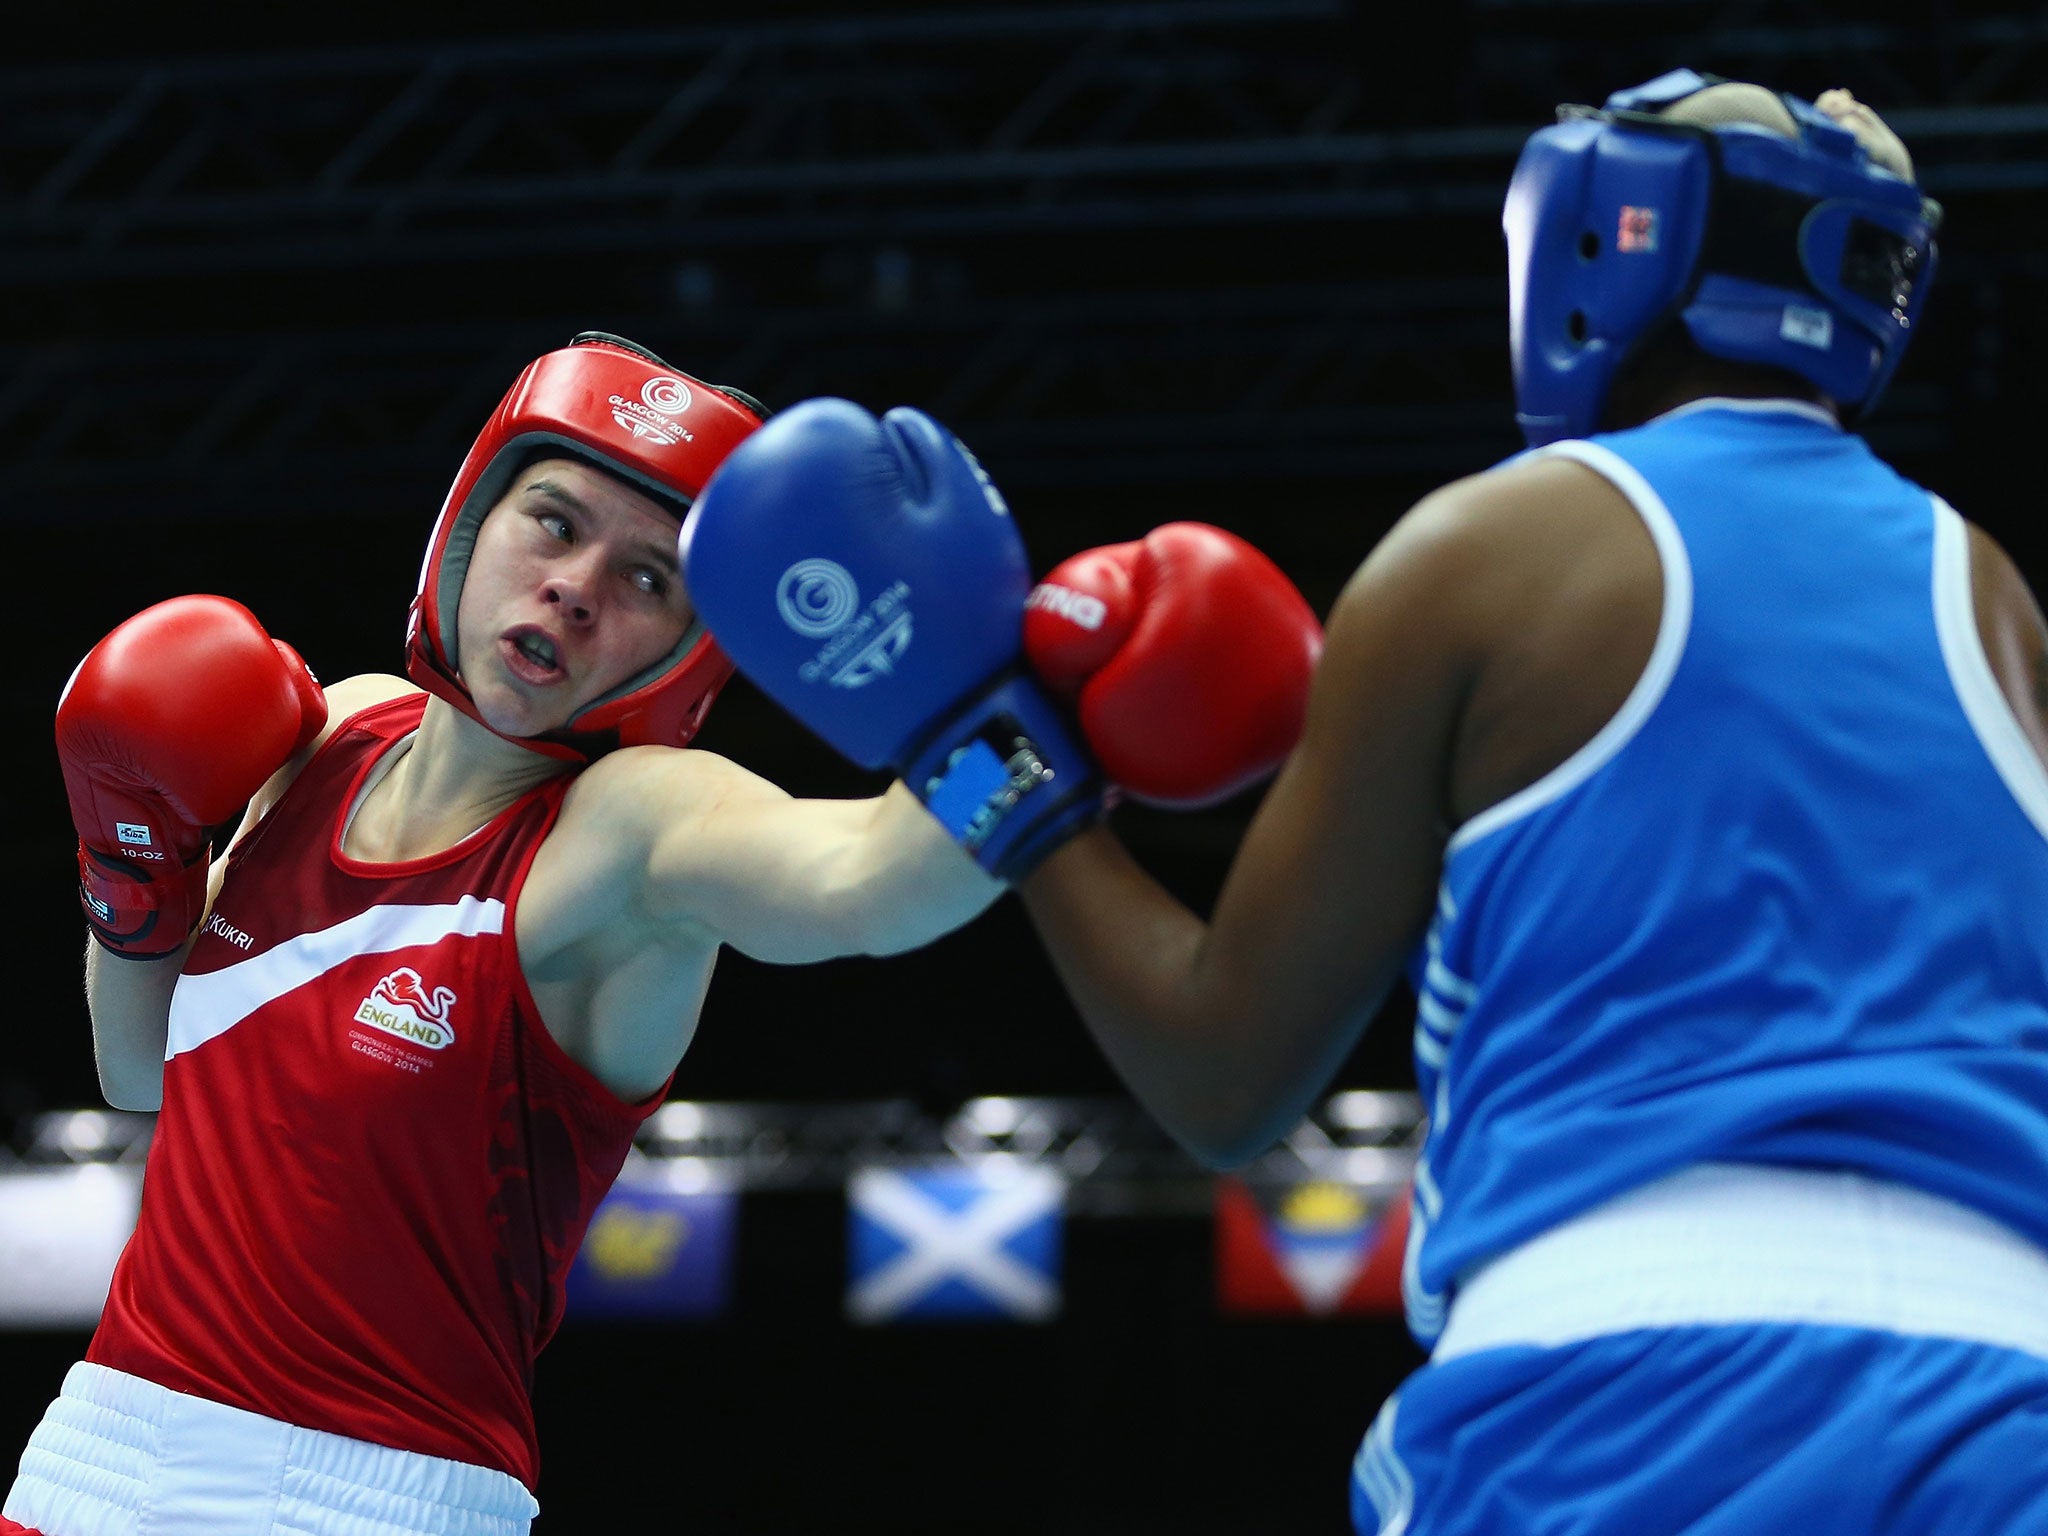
403 1005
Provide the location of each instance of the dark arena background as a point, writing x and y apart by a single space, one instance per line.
1230 260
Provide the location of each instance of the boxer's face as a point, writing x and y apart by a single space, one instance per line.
572 589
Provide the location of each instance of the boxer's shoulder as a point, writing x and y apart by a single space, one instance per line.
649 788
620 809
1487 554
1547 506
346 699
1505 618
352 695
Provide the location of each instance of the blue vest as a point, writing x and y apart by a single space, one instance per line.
1789 906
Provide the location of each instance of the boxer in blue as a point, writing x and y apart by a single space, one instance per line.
1692 763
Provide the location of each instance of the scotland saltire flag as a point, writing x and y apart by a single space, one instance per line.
654 1251
954 1242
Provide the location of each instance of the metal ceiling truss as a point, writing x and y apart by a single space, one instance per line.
1315 294
1083 117
1247 386
1259 382
1115 1159
1905 58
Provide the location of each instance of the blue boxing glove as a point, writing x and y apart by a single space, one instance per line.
866 575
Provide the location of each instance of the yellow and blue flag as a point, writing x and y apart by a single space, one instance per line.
1310 1248
655 1251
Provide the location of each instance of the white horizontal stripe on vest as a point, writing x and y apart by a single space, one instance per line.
119 1456
1733 1243
214 1002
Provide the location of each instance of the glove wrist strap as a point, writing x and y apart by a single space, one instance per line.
138 912
1006 778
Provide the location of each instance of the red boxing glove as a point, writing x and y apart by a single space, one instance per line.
168 727
1189 654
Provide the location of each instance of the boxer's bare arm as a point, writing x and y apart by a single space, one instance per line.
130 1000
895 878
786 880
130 1004
1488 636
661 856
2014 635
1226 1029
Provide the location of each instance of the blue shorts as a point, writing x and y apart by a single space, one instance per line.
1729 1430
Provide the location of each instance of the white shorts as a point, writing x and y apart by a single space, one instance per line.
119 1456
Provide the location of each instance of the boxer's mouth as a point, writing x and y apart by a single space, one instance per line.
532 655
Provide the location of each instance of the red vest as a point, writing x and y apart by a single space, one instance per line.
373 1164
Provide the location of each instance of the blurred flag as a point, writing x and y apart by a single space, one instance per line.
1309 1249
954 1242
61 1229
655 1251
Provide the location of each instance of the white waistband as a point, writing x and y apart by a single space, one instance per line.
1734 1243
117 1456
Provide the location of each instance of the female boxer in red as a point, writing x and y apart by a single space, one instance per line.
448 965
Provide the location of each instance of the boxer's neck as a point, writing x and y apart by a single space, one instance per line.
449 782
1660 383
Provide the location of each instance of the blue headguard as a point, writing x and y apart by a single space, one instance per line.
1798 253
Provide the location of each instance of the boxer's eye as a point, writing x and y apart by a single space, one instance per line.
556 525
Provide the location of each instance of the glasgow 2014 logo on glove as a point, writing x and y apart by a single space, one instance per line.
817 599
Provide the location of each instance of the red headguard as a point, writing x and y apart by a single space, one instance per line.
612 404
